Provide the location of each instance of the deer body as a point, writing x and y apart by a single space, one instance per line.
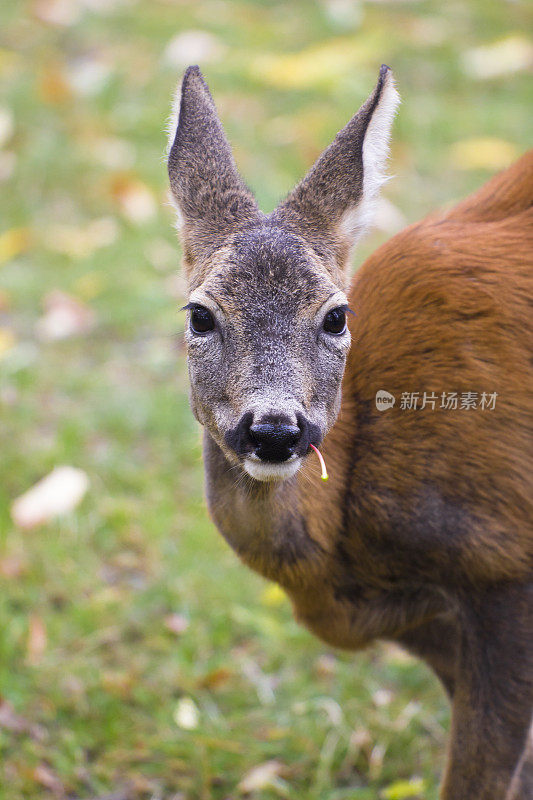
423 534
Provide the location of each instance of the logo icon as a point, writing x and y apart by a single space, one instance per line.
384 400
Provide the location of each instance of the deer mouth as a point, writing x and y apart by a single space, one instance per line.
269 470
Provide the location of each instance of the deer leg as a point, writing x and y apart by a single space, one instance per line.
493 697
437 643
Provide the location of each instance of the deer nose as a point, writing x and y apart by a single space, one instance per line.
274 441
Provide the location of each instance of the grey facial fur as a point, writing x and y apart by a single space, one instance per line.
269 299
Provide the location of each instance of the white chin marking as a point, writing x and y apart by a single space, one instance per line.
267 471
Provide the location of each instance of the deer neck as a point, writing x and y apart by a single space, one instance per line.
268 524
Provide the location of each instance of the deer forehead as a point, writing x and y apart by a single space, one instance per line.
268 270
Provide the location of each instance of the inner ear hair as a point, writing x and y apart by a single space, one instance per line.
337 197
375 153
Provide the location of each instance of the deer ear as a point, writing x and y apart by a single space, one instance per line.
338 195
210 197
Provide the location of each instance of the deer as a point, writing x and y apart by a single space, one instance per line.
423 535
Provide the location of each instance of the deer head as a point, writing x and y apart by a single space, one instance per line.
267 337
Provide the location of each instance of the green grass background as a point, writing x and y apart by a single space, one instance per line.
100 582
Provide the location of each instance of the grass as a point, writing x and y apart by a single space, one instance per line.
97 700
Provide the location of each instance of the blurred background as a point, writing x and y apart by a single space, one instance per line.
138 659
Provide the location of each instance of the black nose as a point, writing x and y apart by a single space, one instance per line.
274 441
273 437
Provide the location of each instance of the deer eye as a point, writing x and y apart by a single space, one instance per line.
335 321
201 320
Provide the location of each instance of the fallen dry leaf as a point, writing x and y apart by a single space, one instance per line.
88 75
43 775
7 340
273 596
112 152
193 47
37 640
318 65
7 125
134 199
428 31
64 316
80 241
186 714
344 13
57 493
13 242
402 790
382 697
261 777
504 57
215 678
57 12
52 85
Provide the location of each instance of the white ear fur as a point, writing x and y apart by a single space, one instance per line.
171 128
174 118
356 220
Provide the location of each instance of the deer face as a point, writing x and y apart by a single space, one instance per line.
267 342
266 335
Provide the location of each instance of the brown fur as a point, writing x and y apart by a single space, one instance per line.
423 534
